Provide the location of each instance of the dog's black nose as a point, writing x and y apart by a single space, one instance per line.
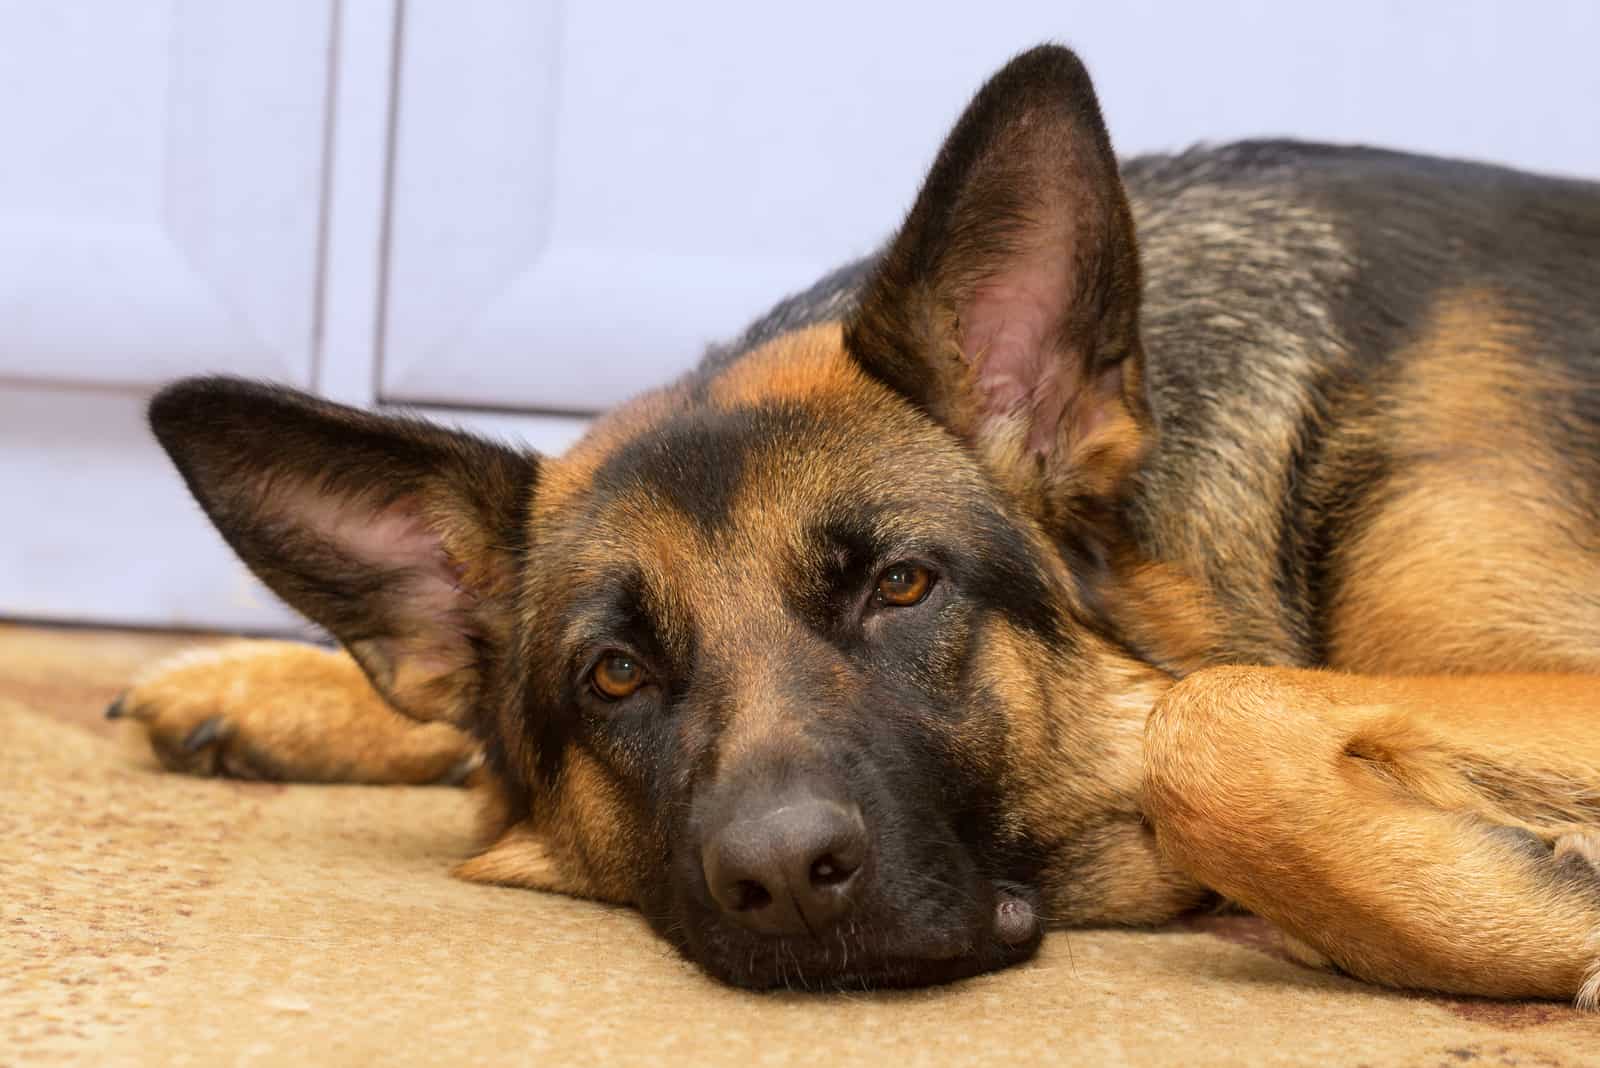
792 867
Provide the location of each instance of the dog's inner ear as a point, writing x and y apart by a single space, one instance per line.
1007 307
397 536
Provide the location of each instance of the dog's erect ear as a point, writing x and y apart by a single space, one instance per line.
1008 305
401 538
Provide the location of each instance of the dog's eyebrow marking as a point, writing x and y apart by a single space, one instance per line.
838 556
631 609
698 460
616 607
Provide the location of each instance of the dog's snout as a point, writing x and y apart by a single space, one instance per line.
790 867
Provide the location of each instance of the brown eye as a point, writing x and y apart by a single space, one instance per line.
904 584
616 676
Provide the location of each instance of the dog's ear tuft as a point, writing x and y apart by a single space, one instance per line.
1008 305
400 537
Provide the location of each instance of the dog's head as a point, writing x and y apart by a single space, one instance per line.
801 655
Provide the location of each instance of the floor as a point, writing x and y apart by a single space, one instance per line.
147 918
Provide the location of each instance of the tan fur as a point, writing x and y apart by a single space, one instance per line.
1583 845
520 857
1091 803
1473 493
1352 812
592 831
564 477
803 365
1166 613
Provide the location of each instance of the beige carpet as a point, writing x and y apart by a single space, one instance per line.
147 918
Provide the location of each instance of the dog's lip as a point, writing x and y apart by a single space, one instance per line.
1006 933
954 959
1016 921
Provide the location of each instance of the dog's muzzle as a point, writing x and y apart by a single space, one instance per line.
797 866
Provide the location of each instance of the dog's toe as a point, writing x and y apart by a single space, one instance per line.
1578 851
207 732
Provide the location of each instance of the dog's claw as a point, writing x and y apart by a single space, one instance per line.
205 732
462 770
115 709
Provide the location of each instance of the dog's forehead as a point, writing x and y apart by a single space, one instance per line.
807 366
784 433
737 477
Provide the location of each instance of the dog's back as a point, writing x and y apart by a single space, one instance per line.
1378 383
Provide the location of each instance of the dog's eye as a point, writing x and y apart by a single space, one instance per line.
903 585
617 675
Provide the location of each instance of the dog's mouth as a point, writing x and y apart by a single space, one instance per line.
1003 929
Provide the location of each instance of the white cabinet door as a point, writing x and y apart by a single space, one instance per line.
99 528
160 214
160 188
585 193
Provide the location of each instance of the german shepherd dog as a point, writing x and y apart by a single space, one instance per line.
1222 526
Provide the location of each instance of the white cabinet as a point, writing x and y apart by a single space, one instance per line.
160 197
515 212
161 214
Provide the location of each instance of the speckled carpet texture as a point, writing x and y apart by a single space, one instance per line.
147 918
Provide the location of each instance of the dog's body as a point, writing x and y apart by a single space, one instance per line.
1323 325
838 657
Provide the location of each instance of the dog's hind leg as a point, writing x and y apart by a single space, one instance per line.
1426 832
288 712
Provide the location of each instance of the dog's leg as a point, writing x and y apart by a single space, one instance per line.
1431 833
288 712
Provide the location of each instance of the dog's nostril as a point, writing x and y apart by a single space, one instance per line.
792 866
749 894
829 870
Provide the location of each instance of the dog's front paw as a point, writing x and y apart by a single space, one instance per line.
286 712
